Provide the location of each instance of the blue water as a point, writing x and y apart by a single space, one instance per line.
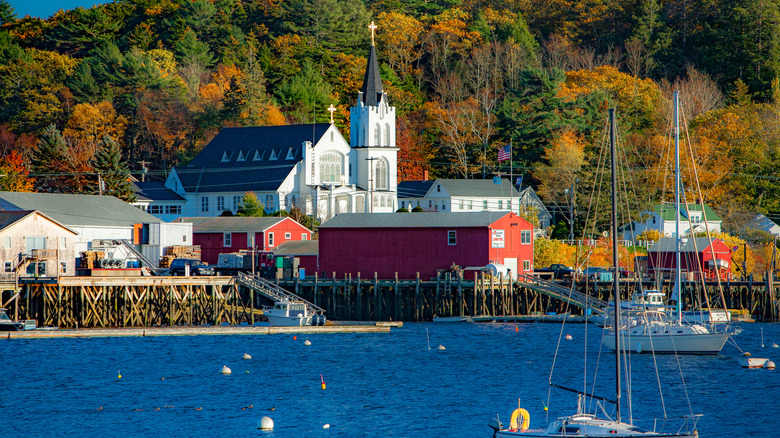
378 385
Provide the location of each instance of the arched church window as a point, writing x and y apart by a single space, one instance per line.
382 175
388 133
330 167
378 135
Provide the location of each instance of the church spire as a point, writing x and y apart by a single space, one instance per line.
372 82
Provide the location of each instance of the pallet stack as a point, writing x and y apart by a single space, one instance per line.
91 259
179 252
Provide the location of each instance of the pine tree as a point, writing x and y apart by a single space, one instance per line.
113 171
49 157
251 206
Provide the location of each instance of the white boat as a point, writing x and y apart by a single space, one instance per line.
583 423
649 327
292 313
7 324
748 361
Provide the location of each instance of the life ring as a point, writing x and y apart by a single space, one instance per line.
524 423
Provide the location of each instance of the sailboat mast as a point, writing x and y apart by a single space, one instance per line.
616 273
677 283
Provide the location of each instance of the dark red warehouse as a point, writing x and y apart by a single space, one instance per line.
408 243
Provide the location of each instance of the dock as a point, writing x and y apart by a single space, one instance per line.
196 331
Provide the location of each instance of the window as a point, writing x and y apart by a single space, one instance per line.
236 202
471 204
430 204
63 242
484 204
63 267
184 238
270 239
250 240
227 240
155 209
500 204
403 203
461 204
509 205
8 267
173 209
288 236
304 236
381 174
452 238
220 203
525 237
443 205
378 135
330 167
7 241
438 187
526 265
204 203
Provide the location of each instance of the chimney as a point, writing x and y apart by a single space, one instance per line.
425 175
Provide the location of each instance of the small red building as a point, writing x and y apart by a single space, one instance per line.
697 258
224 234
408 243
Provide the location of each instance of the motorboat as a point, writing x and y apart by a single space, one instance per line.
7 324
293 313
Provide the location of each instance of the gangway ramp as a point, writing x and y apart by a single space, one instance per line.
274 292
565 294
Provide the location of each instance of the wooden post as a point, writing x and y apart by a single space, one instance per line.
359 299
316 290
436 298
460 295
251 306
396 299
377 299
417 301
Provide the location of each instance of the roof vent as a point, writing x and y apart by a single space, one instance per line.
241 156
273 155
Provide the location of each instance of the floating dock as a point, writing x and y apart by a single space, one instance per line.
196 331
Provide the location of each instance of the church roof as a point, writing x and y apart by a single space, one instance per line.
372 82
256 158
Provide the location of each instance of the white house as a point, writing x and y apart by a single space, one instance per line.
311 166
470 195
158 200
96 218
662 219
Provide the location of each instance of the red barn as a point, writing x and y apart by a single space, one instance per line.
408 243
697 256
224 234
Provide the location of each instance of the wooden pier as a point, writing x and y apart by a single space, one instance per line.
104 302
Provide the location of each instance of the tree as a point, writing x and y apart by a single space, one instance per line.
303 93
251 206
81 29
7 13
14 174
113 171
335 25
60 165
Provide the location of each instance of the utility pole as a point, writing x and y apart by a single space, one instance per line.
100 184
371 183
143 170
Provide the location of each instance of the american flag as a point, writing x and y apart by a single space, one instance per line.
505 153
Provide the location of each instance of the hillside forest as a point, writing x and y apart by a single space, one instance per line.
137 86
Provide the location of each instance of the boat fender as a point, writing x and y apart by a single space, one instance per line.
524 422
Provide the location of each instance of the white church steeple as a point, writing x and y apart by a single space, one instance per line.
372 139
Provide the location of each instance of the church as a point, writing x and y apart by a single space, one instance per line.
310 166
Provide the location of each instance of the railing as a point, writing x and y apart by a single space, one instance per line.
555 290
274 292
42 254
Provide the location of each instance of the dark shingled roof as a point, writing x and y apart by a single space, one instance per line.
257 171
155 191
372 82
413 220
413 189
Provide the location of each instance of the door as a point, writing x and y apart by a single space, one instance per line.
511 264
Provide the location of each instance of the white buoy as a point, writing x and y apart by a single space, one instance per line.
265 423
774 345
307 342
769 365
326 426
246 356
441 347
569 338
225 370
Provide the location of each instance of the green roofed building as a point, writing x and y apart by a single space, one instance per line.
662 219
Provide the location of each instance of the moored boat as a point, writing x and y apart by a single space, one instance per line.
292 313
7 324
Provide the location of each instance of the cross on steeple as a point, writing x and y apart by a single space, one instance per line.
373 27
332 109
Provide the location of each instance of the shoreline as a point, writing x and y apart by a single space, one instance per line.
194 331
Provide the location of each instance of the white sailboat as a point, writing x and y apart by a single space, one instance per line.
652 330
582 423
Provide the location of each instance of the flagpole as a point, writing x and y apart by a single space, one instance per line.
511 175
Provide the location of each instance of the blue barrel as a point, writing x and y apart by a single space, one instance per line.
302 273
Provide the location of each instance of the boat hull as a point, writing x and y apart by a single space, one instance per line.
288 321
752 362
709 343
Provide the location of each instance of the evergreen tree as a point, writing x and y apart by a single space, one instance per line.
7 13
114 172
303 92
251 206
50 157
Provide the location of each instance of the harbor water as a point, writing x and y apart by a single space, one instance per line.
376 385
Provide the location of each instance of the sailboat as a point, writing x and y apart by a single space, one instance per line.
660 331
582 423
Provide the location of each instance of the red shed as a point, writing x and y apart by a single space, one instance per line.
224 234
697 256
408 243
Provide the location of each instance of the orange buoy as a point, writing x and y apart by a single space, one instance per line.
323 381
